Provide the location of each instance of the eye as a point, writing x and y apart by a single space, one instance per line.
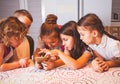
65 39
81 34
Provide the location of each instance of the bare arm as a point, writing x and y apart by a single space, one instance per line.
9 66
59 62
111 63
1 53
114 63
75 64
103 64
35 54
48 65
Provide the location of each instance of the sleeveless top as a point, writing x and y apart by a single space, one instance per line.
8 53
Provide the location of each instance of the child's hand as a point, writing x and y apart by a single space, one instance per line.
95 65
48 65
104 65
99 65
51 55
24 62
38 65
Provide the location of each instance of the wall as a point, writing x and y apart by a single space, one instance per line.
100 7
65 9
7 8
68 9
34 6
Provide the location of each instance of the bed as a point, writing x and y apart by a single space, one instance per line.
60 75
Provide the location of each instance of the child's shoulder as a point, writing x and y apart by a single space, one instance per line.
112 41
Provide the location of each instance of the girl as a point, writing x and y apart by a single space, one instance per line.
26 18
13 34
75 54
6 52
49 35
92 33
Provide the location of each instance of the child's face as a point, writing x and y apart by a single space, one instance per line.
86 36
14 42
67 41
51 42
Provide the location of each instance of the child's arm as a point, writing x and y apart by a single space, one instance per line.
1 53
36 54
71 62
105 65
114 63
68 60
102 66
48 65
10 66
99 64
16 64
115 50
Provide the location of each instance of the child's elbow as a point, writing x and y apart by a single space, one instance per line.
2 68
76 67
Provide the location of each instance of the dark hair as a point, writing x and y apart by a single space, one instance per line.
25 13
70 28
93 21
12 26
50 26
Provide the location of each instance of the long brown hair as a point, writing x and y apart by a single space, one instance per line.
49 26
94 22
70 28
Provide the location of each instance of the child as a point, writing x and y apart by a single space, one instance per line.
92 33
13 34
26 18
75 54
49 35
52 18
6 52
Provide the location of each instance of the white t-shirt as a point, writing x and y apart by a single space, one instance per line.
109 48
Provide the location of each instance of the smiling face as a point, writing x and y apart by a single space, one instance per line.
67 41
51 41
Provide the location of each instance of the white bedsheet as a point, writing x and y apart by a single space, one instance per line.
60 75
